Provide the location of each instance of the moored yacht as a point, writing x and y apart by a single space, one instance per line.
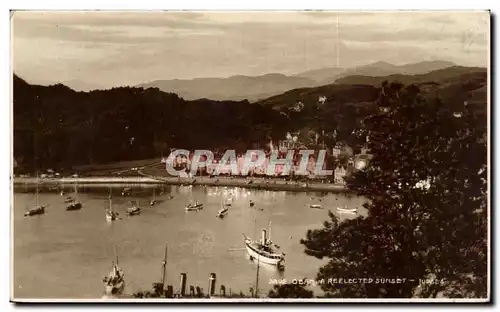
264 250
38 209
114 283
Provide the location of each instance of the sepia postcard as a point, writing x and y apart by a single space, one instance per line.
250 156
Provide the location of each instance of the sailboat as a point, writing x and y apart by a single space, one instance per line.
223 210
38 209
114 283
264 250
110 214
134 210
74 204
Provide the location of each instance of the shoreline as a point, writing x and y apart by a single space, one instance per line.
250 183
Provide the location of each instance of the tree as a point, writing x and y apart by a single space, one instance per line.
426 202
293 290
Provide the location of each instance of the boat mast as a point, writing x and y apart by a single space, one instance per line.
36 194
76 191
269 232
257 277
164 264
110 206
255 226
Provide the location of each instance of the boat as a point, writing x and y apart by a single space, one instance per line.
347 210
134 210
114 283
110 214
315 206
35 211
264 250
73 203
222 211
38 209
194 207
74 206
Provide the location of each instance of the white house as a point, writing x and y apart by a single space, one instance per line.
339 174
336 150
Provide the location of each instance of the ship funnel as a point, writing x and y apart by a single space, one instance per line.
264 238
211 284
183 284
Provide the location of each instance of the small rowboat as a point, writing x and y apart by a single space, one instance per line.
222 213
347 210
35 211
194 207
316 206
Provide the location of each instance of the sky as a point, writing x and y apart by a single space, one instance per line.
104 49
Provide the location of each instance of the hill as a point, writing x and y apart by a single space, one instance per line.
232 88
329 75
468 82
58 127
341 107
440 75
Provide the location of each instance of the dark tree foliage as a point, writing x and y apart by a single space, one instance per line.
56 126
290 290
427 203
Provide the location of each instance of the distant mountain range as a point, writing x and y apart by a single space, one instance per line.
325 76
260 87
234 88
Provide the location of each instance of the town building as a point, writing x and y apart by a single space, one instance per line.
336 150
339 175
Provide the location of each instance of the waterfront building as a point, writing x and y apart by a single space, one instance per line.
339 174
